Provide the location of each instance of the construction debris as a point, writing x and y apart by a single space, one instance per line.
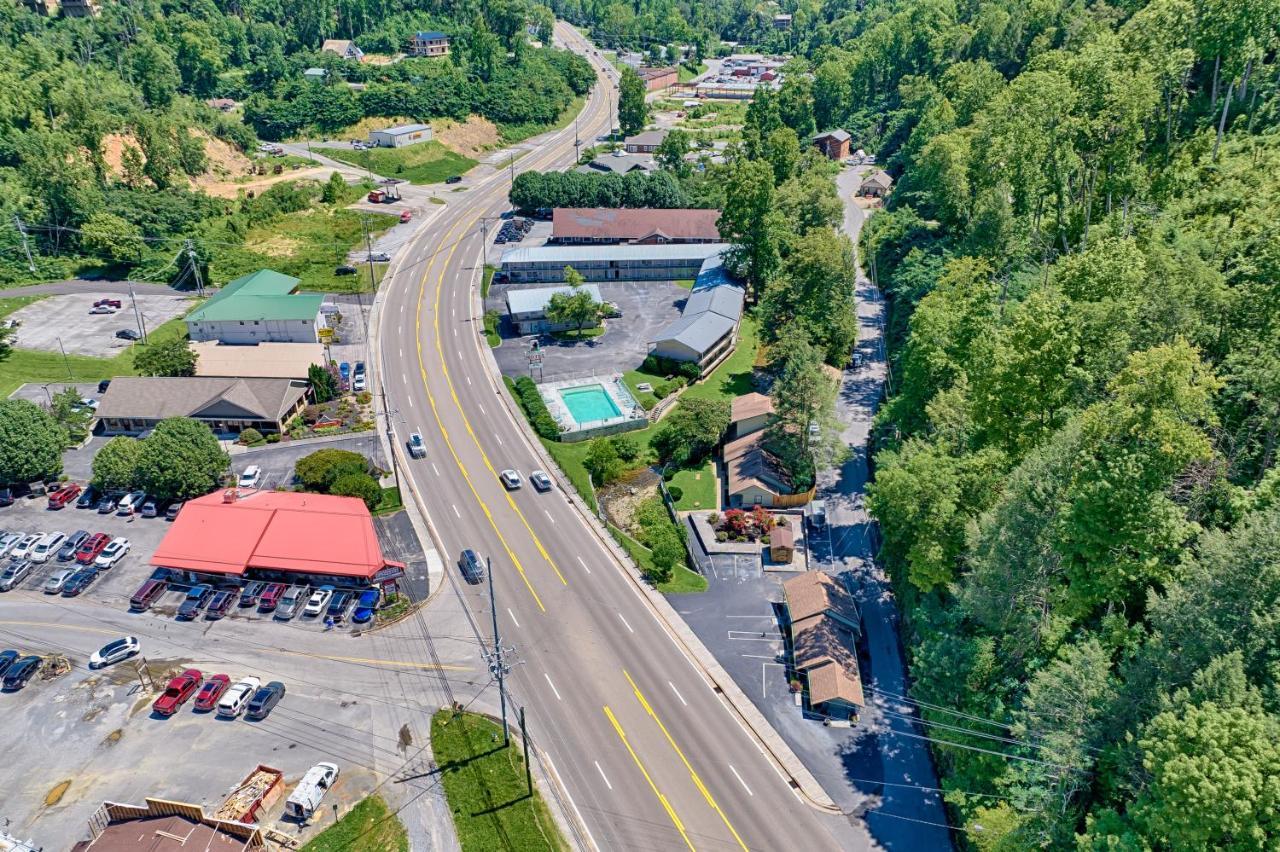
54 665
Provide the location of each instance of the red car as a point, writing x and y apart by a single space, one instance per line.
270 597
93 545
211 692
64 495
110 303
177 692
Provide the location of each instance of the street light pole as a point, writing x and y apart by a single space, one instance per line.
496 665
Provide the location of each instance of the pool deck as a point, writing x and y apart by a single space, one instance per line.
613 386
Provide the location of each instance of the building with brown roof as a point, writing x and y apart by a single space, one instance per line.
134 404
834 143
658 78
633 225
164 826
256 361
342 47
749 413
876 185
754 476
644 143
824 626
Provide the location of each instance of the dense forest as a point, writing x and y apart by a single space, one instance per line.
1076 474
104 123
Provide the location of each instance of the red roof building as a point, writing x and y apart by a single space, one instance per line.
232 532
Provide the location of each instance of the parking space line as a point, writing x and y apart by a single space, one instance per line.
754 636
677 692
624 621
740 781
602 775
553 686
513 616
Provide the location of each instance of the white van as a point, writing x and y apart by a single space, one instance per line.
306 796
47 547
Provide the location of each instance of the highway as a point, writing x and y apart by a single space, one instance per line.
648 752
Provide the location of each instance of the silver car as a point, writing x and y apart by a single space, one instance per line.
8 542
57 580
292 601
510 478
14 574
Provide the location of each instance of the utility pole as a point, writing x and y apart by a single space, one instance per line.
524 737
368 245
512 163
195 266
577 144
22 232
391 437
497 666
142 329
65 360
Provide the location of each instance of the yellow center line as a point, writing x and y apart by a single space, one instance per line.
661 798
706 794
59 626
422 368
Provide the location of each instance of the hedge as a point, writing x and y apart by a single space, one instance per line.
535 409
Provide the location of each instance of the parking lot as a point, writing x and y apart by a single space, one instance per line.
67 318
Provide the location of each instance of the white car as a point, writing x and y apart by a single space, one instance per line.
510 478
251 476
47 547
131 503
115 652
8 542
112 553
417 447
57 580
236 698
319 601
22 549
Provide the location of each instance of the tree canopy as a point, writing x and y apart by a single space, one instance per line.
31 442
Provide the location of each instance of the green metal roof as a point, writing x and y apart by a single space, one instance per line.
261 295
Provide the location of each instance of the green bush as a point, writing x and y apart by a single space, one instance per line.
626 448
657 365
360 485
690 370
249 437
676 492
364 397
273 438
320 470
535 409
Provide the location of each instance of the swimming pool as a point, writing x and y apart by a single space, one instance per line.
588 403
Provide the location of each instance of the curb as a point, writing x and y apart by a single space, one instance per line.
774 747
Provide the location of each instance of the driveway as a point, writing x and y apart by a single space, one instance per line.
647 306
84 285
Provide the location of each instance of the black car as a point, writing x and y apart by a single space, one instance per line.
264 700
88 498
6 496
68 550
6 660
79 581
471 566
338 605
219 605
197 599
128 334
107 505
249 597
344 270
453 179
103 385
20 672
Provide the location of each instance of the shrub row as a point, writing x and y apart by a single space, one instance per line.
660 366
662 390
535 409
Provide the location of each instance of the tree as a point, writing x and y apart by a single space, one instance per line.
670 154
782 150
750 222
334 188
809 201
31 442
70 412
154 71
360 485
687 434
578 309
180 459
667 551
6 333
633 111
115 466
324 385
814 295
111 238
795 104
319 470
602 461
172 357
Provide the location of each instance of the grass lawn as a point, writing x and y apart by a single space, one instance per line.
394 610
368 827
686 283
698 487
570 458
308 245
484 784
578 333
491 321
683 580
425 162
38 365
486 280
685 75
635 377
391 502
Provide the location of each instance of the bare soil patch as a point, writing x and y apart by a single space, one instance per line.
620 499
473 136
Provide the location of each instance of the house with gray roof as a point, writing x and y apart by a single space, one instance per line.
134 404
663 262
528 308
618 163
708 324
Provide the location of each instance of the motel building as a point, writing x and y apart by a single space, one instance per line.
240 535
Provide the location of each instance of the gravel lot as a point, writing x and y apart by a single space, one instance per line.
67 318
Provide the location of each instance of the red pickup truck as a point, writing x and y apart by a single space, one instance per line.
109 303
177 692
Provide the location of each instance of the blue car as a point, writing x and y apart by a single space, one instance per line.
366 606
344 371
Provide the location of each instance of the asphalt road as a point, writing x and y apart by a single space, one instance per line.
648 752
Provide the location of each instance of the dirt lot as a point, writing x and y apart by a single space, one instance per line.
67 318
